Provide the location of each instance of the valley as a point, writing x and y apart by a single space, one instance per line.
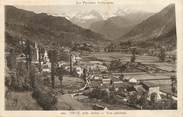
90 62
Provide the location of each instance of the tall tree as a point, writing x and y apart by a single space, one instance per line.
71 62
52 54
173 84
28 55
11 60
60 74
162 54
133 57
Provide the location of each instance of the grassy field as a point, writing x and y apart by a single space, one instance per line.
107 57
150 60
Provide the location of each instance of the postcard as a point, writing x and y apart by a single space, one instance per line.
91 58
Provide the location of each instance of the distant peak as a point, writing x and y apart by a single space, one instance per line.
170 6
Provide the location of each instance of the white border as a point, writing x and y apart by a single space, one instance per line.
124 113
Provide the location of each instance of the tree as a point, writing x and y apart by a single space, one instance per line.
133 98
173 84
28 55
115 65
127 44
154 97
121 77
52 54
123 68
162 54
76 46
110 47
133 57
143 100
11 60
71 63
60 73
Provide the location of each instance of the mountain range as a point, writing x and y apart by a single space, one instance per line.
116 26
141 28
46 29
157 30
85 19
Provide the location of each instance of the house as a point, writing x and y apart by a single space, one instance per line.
46 67
78 71
132 80
66 49
61 63
21 57
96 67
151 88
97 78
102 68
106 81
76 58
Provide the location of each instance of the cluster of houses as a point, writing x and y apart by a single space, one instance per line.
75 60
125 88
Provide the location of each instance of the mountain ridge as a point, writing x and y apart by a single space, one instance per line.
85 19
46 29
115 27
161 24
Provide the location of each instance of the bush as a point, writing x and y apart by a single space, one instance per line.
18 80
44 97
161 105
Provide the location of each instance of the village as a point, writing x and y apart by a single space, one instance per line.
82 78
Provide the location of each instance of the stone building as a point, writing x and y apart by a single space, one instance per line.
152 88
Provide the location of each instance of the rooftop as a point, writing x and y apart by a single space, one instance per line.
149 84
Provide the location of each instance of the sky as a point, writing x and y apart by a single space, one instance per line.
107 10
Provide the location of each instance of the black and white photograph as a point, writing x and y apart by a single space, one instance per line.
90 56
